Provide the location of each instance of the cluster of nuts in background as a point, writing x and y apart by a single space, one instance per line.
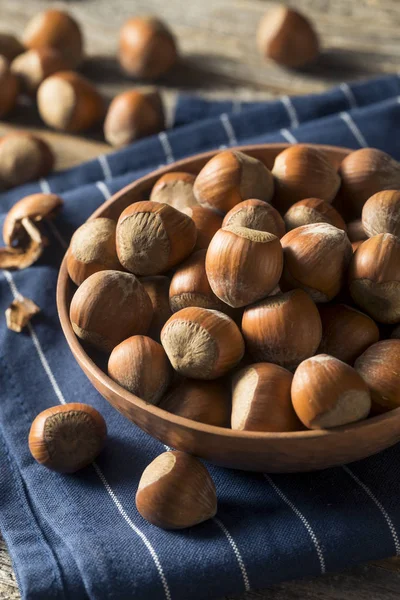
259 300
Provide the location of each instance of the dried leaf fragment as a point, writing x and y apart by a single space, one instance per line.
19 313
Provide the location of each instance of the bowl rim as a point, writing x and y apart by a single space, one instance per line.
90 366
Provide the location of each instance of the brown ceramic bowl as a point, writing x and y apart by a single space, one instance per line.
273 452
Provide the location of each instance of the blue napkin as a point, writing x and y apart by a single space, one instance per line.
80 536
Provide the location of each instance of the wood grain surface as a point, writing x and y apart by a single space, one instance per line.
360 38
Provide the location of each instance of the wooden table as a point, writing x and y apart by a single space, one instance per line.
360 39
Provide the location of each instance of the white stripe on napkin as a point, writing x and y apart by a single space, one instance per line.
166 146
354 129
291 111
348 92
103 189
288 135
105 167
44 186
228 127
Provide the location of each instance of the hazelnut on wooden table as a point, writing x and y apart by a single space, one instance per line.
176 491
379 366
23 157
33 66
381 213
10 46
9 88
312 210
157 287
175 189
256 214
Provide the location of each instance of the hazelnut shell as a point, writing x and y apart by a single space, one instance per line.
379 366
312 210
207 224
381 213
9 88
157 287
23 157
175 189
256 214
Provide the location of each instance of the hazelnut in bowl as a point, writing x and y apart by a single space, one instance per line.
208 382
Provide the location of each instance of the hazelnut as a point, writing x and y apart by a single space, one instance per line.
132 115
23 157
140 365
346 332
302 171
55 29
147 48
256 214
92 249
312 210
381 213
34 207
33 66
287 37
327 392
109 307
355 231
379 366
365 172
157 288
243 265
202 401
261 399
283 329
69 102
207 224
316 258
8 88
67 438
10 46
176 491
202 343
153 237
175 189
355 245
374 277
231 177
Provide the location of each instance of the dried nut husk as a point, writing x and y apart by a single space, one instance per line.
147 48
284 329
346 332
312 210
202 343
132 115
207 224
243 265
261 399
202 401
92 249
27 252
355 231
176 491
381 213
157 287
316 259
19 313
153 237
55 29
67 438
33 66
287 37
175 189
374 277
379 366
10 46
327 392
109 307
69 102
23 157
364 173
140 365
35 207
256 214
9 88
231 177
303 171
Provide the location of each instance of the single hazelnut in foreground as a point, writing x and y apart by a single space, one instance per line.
69 102
207 224
374 277
176 491
132 115
10 46
157 287
379 366
55 29
243 265
23 157
231 177
202 401
355 231
287 37
261 399
312 210
284 329
346 332
140 365
92 249
147 48
108 307
68 437
202 343
9 88
256 214
175 189
303 171
381 213
327 392
316 258
33 66
153 237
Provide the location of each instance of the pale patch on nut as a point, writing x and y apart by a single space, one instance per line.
244 386
161 466
352 405
190 348
253 235
57 100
